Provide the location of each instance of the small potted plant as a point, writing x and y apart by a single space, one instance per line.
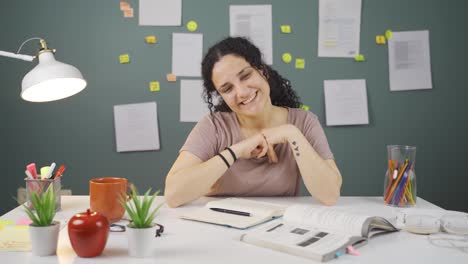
141 231
43 230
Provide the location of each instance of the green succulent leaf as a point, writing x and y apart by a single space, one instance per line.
43 203
138 208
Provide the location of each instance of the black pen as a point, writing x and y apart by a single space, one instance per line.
221 210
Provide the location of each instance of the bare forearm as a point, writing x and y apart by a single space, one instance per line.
193 182
322 180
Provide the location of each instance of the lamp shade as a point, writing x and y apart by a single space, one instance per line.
51 80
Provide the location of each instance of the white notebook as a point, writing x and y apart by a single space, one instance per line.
236 212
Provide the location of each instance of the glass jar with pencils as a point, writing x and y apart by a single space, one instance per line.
40 186
400 179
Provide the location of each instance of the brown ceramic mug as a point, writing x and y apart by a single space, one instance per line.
105 196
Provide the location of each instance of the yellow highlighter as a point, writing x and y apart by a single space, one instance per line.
44 170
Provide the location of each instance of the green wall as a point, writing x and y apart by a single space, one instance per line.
79 131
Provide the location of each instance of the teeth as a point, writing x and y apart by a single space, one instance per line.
250 99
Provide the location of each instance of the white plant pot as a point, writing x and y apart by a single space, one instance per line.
44 239
141 241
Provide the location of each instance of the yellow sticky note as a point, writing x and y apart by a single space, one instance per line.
300 63
287 58
285 29
124 58
359 57
154 86
388 34
305 107
380 39
192 25
171 77
6 222
150 39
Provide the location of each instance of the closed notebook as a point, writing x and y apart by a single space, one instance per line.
259 212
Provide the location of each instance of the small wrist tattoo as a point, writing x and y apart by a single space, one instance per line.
296 149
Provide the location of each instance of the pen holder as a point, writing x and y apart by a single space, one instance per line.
40 186
400 178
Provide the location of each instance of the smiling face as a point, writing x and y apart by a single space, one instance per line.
243 87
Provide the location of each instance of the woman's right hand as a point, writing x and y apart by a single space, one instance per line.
254 147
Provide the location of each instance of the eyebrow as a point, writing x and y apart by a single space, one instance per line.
239 73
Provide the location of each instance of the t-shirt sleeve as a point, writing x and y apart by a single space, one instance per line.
202 140
314 133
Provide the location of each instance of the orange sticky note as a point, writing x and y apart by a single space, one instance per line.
171 77
300 63
154 86
151 39
124 58
128 12
380 39
124 5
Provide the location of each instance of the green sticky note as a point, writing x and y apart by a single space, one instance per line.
359 57
124 58
287 58
388 34
300 63
154 86
285 29
305 107
192 25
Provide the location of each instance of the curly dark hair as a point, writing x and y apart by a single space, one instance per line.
281 93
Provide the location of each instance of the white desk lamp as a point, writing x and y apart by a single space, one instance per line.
50 80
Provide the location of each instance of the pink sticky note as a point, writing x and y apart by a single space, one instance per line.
352 251
24 221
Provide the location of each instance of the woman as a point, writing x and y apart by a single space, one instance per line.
256 142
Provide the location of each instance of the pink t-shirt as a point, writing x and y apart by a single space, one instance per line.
254 177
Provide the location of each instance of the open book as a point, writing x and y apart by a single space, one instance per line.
317 232
236 212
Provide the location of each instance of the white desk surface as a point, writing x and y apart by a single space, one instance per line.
186 241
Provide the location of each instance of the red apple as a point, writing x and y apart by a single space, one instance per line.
88 233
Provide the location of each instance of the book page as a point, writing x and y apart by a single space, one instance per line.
326 218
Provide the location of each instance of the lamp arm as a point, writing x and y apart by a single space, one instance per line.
22 56
16 56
